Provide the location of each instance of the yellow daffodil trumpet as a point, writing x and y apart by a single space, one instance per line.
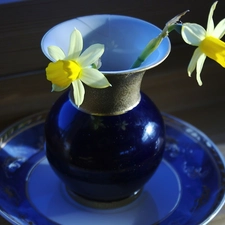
207 41
76 68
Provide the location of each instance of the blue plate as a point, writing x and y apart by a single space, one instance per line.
187 188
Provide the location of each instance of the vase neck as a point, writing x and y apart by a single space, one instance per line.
123 96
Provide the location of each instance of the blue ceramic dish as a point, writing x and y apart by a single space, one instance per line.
187 188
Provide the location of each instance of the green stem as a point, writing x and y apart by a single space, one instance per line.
151 46
155 42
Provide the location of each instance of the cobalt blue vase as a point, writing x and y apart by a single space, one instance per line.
108 148
104 158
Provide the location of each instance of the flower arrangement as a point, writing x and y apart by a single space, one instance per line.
77 68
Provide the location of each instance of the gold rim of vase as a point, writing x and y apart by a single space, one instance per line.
121 97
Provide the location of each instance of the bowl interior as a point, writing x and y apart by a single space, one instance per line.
124 39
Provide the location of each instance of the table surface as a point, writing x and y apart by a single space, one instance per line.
218 220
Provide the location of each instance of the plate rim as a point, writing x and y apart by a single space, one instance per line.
37 118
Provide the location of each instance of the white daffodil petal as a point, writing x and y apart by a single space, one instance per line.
219 30
97 64
94 78
210 23
76 44
199 67
192 65
78 92
192 33
91 55
56 53
57 88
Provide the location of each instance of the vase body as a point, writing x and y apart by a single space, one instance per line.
104 158
109 147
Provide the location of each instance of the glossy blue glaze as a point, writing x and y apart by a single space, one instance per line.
189 154
104 158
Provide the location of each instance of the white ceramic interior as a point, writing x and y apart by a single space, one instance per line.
124 39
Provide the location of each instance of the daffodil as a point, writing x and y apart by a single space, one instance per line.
76 68
207 41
